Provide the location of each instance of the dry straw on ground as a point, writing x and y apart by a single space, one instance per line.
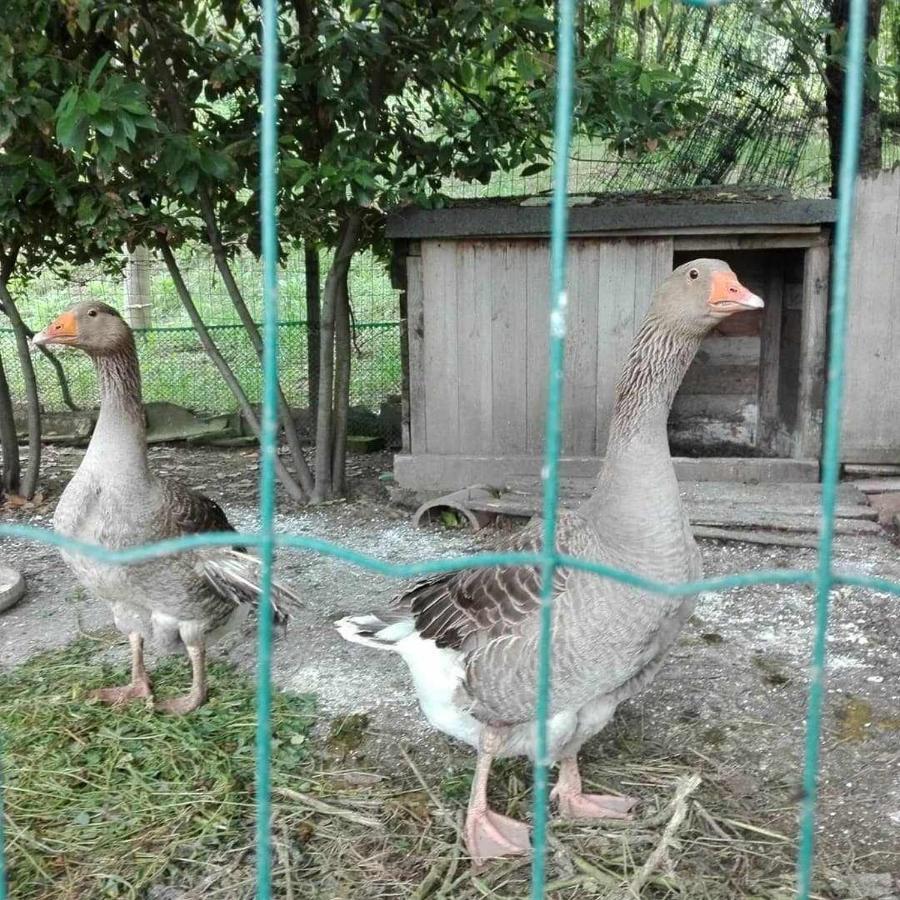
129 804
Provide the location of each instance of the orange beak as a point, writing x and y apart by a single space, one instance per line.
727 295
62 330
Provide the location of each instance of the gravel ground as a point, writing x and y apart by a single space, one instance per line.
733 693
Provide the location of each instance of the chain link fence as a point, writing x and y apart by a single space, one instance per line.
174 366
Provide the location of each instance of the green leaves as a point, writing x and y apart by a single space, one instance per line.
534 169
383 102
111 113
187 179
216 165
99 66
68 116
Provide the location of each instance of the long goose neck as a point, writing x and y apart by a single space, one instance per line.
119 441
656 365
637 481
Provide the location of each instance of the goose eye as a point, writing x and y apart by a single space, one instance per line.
92 312
693 274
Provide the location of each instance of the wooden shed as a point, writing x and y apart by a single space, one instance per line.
474 280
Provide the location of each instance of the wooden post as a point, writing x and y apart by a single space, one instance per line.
811 396
768 415
413 332
397 269
870 424
137 288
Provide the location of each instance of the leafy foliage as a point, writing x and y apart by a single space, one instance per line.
138 108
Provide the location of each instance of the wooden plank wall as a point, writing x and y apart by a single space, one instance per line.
482 352
478 340
871 421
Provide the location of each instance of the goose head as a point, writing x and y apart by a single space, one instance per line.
91 326
699 294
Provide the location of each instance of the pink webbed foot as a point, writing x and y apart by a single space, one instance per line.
119 696
181 706
491 836
594 806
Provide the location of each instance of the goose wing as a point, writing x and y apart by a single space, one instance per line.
461 610
233 573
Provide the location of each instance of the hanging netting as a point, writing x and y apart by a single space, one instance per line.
764 121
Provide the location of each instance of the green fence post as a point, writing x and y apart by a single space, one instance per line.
849 160
562 135
268 449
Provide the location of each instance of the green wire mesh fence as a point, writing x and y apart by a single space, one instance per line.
175 368
823 578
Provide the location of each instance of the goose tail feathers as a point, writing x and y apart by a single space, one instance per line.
238 577
375 631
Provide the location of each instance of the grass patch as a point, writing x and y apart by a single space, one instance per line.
126 803
103 803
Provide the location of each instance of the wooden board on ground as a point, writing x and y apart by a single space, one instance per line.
768 514
878 485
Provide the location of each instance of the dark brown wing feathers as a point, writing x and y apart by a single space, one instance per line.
452 607
193 513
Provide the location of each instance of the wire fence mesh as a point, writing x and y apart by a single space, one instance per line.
824 578
175 368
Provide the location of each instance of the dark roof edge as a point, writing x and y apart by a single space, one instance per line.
522 221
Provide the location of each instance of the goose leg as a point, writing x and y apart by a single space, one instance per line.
139 688
573 804
488 834
179 706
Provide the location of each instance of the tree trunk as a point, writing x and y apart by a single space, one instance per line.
313 320
895 39
640 26
704 38
870 133
341 386
616 8
182 120
662 31
32 470
675 58
343 253
237 300
10 472
206 341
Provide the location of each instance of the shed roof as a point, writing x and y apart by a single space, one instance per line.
590 214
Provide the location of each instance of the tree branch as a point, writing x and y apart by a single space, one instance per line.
32 470
237 300
212 351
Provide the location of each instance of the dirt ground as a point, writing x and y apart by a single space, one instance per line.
733 693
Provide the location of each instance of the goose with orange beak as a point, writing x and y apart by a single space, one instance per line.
181 602
470 637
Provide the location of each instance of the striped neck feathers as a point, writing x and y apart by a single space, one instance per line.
656 364
120 436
